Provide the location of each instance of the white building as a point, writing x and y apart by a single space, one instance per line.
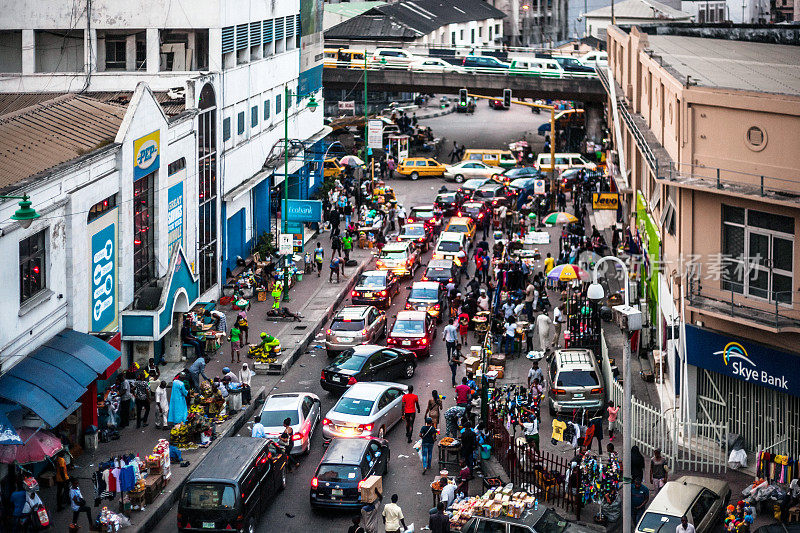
631 12
703 11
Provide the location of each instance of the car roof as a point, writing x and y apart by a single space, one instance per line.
451 235
281 402
491 185
473 203
345 451
414 225
228 458
364 390
675 497
353 311
397 246
440 263
425 285
364 350
423 207
382 273
458 220
575 359
412 315
473 181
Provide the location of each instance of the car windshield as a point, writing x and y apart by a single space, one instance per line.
347 325
209 496
409 326
521 183
424 293
422 214
577 378
413 231
486 193
473 184
354 406
570 62
437 273
394 254
471 210
371 280
551 522
448 246
446 197
651 522
338 473
348 360
276 418
458 228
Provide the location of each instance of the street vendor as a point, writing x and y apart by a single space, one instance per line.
277 291
269 345
188 337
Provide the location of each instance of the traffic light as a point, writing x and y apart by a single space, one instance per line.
506 98
462 97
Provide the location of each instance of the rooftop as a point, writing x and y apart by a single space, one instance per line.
45 134
739 65
173 103
352 9
640 9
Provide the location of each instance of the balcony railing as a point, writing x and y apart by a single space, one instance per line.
786 189
776 311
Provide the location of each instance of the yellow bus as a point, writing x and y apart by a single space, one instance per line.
343 58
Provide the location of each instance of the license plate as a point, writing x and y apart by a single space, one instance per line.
341 379
577 396
406 343
208 525
345 339
367 295
337 492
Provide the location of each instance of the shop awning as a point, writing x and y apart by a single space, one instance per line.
50 380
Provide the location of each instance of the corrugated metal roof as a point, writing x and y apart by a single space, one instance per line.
10 102
640 9
352 9
41 136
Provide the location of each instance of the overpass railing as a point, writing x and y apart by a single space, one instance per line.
456 69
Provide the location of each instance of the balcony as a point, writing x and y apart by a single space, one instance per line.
776 314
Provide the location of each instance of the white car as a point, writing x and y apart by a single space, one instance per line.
595 59
435 64
393 57
701 499
303 409
365 409
464 170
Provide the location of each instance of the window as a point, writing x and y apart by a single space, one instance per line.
497 29
207 257
266 109
143 231
176 166
703 505
461 34
226 129
101 207
757 253
480 31
278 104
472 36
452 37
240 123
254 116
115 53
32 263
756 138
490 33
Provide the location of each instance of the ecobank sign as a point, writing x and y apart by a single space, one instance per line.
743 360
304 210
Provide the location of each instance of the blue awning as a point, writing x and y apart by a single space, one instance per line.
51 380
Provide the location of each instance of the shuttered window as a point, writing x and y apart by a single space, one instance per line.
255 33
227 39
268 26
289 27
297 24
279 28
241 36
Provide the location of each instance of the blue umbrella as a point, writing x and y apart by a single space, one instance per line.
8 435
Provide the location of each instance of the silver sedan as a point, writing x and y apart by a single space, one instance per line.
366 409
303 410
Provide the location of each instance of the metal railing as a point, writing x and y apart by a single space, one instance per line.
644 146
456 69
774 309
722 178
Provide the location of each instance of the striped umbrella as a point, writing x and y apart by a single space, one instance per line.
568 273
559 217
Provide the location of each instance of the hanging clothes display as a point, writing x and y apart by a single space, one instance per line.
116 475
776 468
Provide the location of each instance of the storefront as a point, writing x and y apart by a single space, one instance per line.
752 387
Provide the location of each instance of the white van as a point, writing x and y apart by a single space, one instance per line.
595 59
539 67
563 162
449 244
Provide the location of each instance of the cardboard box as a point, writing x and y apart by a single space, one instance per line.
498 359
370 488
499 369
472 364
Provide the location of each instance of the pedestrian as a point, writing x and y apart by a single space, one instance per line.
383 167
245 378
454 153
319 257
220 320
235 339
287 441
17 501
535 373
640 496
684 526
613 412
448 494
410 402
162 405
393 517
510 336
558 320
637 463
258 431
462 261
463 393
78 505
197 370
463 327
434 408
188 337
152 369
439 522
141 394
531 427
658 470
370 514
347 246
391 216
427 434
531 295
356 527
469 442
334 269
125 397
62 481
336 245
178 410
543 323
401 216
241 323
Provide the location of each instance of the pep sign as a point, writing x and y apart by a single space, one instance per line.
146 155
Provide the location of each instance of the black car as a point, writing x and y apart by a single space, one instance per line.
448 202
375 287
474 210
443 271
573 66
515 173
367 362
232 485
419 234
544 519
346 463
490 194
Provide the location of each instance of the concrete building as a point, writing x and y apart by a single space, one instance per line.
631 12
705 121
530 22
702 11
336 13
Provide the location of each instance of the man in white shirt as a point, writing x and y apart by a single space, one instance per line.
259 431
393 517
685 526
543 327
463 260
535 373
558 320
448 493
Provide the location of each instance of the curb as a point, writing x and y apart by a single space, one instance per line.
449 110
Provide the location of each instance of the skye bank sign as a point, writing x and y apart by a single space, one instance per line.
743 360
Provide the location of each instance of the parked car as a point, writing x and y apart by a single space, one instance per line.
469 186
303 410
354 325
466 169
332 169
375 287
346 463
368 362
434 64
701 499
483 64
575 382
428 296
463 225
542 520
427 214
474 210
232 485
365 410
413 330
442 271
393 57
449 244
448 202
416 167
417 234
400 257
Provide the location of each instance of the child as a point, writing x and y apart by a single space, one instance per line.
236 343
613 412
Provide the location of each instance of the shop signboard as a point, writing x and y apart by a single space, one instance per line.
303 210
146 155
605 200
539 187
747 361
103 274
175 216
285 245
375 133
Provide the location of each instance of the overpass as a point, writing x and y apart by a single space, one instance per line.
581 89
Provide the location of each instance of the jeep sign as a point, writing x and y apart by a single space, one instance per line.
605 200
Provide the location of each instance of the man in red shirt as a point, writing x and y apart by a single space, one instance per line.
410 401
463 393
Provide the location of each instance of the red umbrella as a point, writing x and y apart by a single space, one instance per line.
37 447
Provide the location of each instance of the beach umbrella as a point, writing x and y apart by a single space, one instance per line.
559 217
568 273
351 160
38 446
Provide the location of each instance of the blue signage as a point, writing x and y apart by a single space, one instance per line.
175 216
303 210
743 360
294 227
104 310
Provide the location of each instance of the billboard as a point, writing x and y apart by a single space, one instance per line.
103 294
146 155
174 216
311 46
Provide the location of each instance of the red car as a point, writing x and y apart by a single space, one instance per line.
497 104
427 214
474 210
414 331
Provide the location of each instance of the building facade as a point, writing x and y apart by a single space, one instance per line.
712 204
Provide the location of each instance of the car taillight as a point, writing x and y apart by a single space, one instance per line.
459 214
421 239
365 427
360 483
352 381
379 263
597 390
423 341
437 306
383 293
314 483
329 331
450 279
353 294
322 375
409 219
364 332
391 340
480 216
297 436
424 278
559 391
409 306
326 422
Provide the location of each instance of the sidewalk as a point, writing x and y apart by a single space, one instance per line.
314 298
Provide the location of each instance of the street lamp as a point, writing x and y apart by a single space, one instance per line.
632 321
312 106
25 215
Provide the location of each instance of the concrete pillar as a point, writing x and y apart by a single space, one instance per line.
215 49
90 51
28 52
153 51
130 53
594 122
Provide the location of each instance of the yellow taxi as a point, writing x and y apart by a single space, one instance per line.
463 225
414 167
332 169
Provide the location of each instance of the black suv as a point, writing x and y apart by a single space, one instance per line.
346 463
